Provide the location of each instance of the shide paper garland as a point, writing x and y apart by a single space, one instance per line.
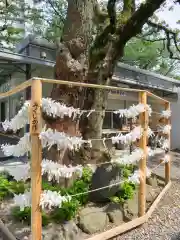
51 199
53 171
166 114
18 150
51 137
56 109
134 111
56 171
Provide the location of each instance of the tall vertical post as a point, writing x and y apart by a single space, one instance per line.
142 164
168 164
36 159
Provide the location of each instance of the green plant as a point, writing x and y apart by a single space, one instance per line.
79 185
22 216
8 188
126 191
25 216
87 175
67 211
127 170
115 199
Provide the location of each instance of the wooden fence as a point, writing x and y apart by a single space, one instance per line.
36 154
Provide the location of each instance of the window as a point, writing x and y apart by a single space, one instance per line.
113 121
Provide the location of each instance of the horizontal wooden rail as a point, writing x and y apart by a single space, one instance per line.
162 100
79 84
89 85
16 89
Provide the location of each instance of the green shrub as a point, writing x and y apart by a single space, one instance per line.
8 188
79 185
126 191
25 216
67 211
127 170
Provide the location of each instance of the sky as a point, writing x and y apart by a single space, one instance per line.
171 17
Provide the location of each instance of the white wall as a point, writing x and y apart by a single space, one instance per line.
175 122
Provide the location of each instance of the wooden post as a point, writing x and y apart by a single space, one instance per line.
168 164
36 159
142 165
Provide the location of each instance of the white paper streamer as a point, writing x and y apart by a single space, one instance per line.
165 144
166 129
52 169
49 200
20 149
153 152
22 200
135 178
19 172
150 132
52 137
128 138
166 114
19 121
55 109
134 111
166 158
127 159
56 171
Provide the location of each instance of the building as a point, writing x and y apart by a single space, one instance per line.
36 58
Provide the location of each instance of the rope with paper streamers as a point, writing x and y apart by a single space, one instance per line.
51 199
52 137
55 109
55 171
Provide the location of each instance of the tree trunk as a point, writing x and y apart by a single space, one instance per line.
73 64
82 59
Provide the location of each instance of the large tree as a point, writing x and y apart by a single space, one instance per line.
93 37
93 40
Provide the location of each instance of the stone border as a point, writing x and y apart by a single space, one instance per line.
132 224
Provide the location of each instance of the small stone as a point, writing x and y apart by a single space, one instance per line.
152 181
131 207
115 213
92 219
150 193
68 231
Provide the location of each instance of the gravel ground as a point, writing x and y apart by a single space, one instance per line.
165 221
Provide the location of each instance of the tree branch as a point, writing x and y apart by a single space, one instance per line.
151 40
111 8
171 36
134 24
101 41
55 10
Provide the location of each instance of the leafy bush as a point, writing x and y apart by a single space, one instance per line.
67 211
25 216
126 191
8 188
